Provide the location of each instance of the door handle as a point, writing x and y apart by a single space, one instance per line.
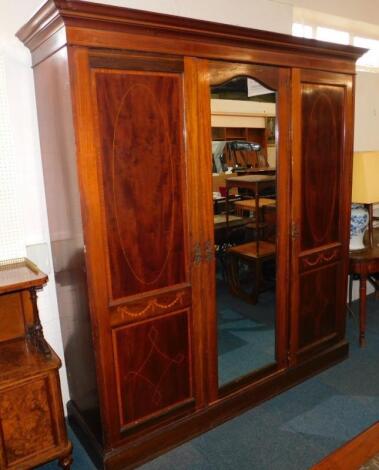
209 252
204 253
197 254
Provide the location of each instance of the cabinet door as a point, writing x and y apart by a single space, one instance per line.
141 166
322 139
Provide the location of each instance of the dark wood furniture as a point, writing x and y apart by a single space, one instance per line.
255 183
32 426
254 256
253 134
373 279
222 228
364 263
249 205
123 100
268 170
242 154
250 134
372 238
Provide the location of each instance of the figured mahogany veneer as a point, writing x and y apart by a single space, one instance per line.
154 373
322 134
123 101
142 164
322 165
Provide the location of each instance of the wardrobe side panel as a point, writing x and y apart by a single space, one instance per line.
58 151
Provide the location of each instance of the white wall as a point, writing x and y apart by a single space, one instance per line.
367 112
273 15
362 10
24 129
260 14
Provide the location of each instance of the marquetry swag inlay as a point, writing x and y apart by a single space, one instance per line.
317 259
153 305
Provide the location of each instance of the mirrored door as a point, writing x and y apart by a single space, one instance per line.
245 172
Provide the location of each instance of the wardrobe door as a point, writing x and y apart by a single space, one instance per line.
322 153
246 218
139 104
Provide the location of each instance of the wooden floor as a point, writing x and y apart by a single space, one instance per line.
354 454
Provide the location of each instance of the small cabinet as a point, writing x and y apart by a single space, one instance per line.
32 426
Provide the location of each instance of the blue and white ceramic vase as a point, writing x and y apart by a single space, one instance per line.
358 224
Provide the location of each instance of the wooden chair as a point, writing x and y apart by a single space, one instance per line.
247 208
226 236
250 205
245 154
253 255
373 279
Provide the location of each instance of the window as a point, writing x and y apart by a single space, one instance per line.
302 30
332 35
317 25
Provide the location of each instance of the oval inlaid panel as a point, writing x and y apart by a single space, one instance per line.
321 146
141 135
142 183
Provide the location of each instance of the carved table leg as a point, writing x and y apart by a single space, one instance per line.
35 332
256 281
233 275
66 460
350 289
362 309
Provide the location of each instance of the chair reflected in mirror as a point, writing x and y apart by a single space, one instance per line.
246 260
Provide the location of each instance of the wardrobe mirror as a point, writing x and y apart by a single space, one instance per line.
244 142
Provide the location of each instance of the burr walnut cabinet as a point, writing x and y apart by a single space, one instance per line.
123 101
32 426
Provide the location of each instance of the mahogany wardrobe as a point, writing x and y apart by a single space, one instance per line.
126 122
